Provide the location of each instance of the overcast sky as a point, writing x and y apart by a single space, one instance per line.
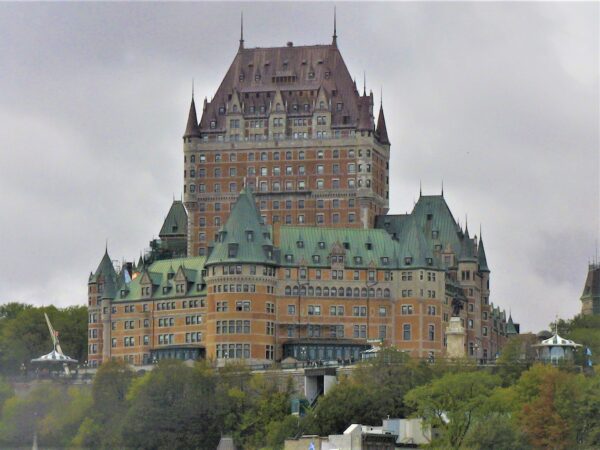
498 100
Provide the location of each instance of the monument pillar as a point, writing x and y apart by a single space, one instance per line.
455 339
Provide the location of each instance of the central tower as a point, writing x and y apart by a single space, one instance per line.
290 125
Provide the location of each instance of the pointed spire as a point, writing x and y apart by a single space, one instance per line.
420 189
381 129
481 258
443 194
364 83
242 31
191 128
334 43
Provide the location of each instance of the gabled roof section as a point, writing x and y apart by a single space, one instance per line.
299 72
175 223
381 131
313 246
191 128
243 238
159 275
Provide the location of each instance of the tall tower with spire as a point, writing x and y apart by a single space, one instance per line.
288 123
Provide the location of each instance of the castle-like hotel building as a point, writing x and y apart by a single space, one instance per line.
282 246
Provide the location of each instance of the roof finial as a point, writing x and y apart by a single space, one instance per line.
442 187
364 83
381 97
106 246
192 89
420 189
242 31
334 28
480 236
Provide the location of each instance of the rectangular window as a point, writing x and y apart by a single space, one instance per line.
406 335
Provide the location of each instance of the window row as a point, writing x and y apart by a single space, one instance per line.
233 327
337 292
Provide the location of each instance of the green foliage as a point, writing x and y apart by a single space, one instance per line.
24 334
174 409
6 391
584 330
453 403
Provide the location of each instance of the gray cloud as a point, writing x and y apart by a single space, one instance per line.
499 100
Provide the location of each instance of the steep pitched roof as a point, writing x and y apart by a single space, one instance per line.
592 282
467 252
161 275
191 128
312 246
510 326
299 71
481 259
175 223
243 238
381 130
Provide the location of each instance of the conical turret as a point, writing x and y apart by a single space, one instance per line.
481 259
381 130
191 128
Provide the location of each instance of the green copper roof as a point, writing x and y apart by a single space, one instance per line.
163 275
433 215
243 238
107 275
467 252
175 223
510 326
313 246
481 259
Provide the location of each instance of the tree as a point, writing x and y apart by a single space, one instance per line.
102 427
266 412
173 408
453 403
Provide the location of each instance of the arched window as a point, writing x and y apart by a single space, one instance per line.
340 292
311 291
356 292
371 292
363 292
288 290
278 107
325 292
295 290
333 292
348 292
386 293
379 292
318 292
303 290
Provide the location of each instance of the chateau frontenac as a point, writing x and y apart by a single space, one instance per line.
282 246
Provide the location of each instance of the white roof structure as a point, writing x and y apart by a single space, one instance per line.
54 357
557 341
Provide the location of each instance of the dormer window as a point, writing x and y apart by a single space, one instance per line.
257 77
123 293
321 244
213 124
278 107
316 258
429 261
358 260
385 260
311 75
221 110
369 246
232 250
327 74
347 245
322 105
262 109
241 77
408 260
289 258
434 234
249 235
339 106
235 108
165 289
300 244
252 109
